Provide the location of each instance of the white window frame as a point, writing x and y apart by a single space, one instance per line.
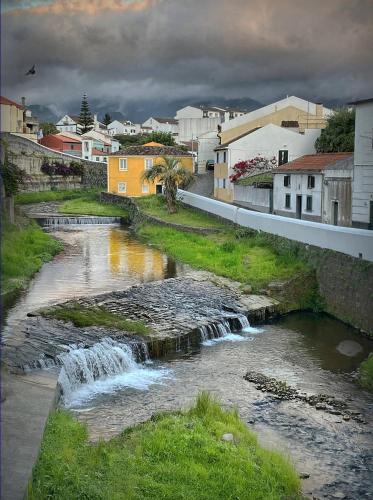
121 169
146 160
125 187
146 186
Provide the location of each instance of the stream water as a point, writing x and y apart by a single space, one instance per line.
314 353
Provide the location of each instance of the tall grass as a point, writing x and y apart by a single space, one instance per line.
25 248
173 456
366 373
90 205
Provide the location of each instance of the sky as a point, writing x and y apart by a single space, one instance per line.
143 57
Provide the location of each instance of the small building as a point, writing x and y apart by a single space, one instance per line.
69 123
269 141
62 143
17 119
127 166
126 127
159 124
315 188
362 187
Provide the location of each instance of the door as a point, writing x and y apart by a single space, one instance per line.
335 213
299 206
159 189
283 156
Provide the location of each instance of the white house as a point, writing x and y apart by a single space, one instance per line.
197 120
315 188
126 127
362 189
269 141
158 124
69 123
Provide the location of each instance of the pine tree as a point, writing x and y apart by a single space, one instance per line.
107 119
85 117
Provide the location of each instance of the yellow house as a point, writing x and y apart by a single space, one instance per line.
17 119
127 166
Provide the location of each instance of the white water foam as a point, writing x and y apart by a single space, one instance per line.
103 369
221 332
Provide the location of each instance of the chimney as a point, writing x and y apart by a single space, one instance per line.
319 109
23 99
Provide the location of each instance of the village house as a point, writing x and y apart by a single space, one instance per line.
270 141
362 187
158 124
292 112
316 188
71 123
125 127
127 166
17 119
194 121
64 144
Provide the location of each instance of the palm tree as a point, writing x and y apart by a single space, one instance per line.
171 174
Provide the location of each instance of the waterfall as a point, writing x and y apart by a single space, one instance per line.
60 221
103 368
228 328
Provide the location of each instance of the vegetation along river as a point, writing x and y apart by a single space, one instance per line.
312 353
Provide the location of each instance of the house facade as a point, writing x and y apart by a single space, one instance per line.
316 188
69 123
197 120
17 119
117 127
62 143
282 143
159 124
362 188
126 168
292 112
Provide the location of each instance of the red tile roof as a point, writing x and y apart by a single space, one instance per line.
5 100
65 138
315 162
97 152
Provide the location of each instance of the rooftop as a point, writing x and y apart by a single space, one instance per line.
361 101
315 163
5 100
151 149
172 121
234 139
65 138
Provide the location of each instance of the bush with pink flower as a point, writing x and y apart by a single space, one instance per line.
247 168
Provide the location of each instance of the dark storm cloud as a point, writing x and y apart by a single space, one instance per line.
122 51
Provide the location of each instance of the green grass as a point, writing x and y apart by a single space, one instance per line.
25 248
249 181
84 316
174 456
249 259
25 198
90 206
155 205
366 373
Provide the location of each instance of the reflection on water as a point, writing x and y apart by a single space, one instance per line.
96 259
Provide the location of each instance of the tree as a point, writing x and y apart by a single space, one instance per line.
128 140
85 117
107 119
339 134
171 174
164 138
48 128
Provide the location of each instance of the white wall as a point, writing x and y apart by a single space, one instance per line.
156 126
206 144
256 198
298 186
362 187
355 242
192 128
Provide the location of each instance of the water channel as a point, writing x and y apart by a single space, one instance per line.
314 353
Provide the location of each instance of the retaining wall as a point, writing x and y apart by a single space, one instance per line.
350 241
29 157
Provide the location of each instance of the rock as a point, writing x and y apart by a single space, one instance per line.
247 289
338 494
320 406
304 475
346 417
228 437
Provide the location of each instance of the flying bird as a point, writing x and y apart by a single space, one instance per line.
31 71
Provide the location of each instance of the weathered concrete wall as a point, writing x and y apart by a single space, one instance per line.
29 156
252 197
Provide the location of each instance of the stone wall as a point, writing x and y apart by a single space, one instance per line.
29 157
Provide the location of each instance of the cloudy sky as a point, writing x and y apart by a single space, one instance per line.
151 55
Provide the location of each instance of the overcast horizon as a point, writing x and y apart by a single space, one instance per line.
141 57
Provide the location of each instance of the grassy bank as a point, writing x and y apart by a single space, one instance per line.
26 198
84 316
366 373
248 259
173 456
90 205
155 205
25 248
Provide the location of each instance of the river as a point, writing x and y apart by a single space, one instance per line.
314 353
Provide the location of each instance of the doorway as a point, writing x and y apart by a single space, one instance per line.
159 189
335 213
299 206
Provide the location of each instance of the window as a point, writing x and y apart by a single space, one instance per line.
123 164
223 183
122 187
283 157
309 204
217 157
225 157
145 188
311 182
72 146
97 158
287 180
287 201
86 146
148 163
